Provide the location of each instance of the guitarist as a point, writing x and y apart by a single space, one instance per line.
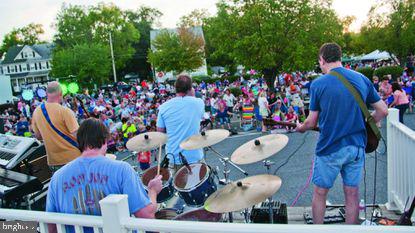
342 140
57 126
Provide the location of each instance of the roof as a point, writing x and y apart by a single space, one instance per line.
11 54
44 50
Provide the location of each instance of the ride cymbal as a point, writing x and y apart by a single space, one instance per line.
259 149
146 141
204 139
243 193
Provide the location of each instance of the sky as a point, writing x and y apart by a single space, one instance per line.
18 13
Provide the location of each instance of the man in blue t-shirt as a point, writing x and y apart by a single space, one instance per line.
180 118
78 186
342 141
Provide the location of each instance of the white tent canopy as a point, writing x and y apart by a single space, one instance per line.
376 55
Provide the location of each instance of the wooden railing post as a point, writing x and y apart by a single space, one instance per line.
114 209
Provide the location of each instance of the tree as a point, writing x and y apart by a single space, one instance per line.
92 25
393 31
27 35
196 18
90 63
273 36
177 52
143 20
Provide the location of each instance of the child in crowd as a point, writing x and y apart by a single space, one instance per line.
291 117
222 115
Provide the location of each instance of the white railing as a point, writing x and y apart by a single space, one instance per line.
116 219
401 162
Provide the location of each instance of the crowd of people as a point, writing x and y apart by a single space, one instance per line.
128 110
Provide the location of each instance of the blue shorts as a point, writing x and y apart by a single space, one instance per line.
224 120
348 161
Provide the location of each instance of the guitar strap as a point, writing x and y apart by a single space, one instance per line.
368 117
67 138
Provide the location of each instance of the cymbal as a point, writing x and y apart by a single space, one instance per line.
204 139
243 193
111 156
146 141
259 149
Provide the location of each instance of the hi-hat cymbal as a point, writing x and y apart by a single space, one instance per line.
146 141
204 139
259 149
243 193
111 156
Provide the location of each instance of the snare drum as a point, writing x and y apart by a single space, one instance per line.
167 191
200 215
195 187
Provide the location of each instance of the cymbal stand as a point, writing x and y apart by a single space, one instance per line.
268 164
226 161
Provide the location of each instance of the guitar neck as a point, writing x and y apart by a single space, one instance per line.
271 122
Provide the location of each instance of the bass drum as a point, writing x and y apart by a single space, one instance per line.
167 214
194 186
167 191
200 215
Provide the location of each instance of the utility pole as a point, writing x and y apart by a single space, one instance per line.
112 58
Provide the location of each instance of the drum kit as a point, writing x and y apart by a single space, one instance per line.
195 184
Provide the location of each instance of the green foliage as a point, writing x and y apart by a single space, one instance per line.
143 20
395 71
272 35
92 25
200 78
178 52
235 91
28 35
366 71
194 18
393 31
90 63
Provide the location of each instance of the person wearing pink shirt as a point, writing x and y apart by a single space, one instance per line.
400 100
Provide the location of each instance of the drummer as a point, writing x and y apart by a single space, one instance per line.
180 118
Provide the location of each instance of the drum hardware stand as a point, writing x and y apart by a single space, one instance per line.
268 164
225 161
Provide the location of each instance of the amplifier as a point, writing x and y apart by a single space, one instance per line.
260 212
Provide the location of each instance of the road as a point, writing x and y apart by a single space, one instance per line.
295 173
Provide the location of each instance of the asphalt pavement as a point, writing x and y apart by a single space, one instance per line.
298 155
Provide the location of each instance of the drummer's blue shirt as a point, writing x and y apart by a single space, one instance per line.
181 118
340 120
78 187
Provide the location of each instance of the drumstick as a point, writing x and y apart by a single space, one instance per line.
158 161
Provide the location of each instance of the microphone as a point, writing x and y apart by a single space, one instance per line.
185 163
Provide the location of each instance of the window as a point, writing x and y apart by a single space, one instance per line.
34 55
14 82
8 69
35 66
20 68
47 65
22 55
40 65
28 67
15 68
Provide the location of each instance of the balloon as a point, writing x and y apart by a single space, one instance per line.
64 89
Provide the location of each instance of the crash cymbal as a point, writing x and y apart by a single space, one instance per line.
259 149
204 139
146 141
243 193
111 156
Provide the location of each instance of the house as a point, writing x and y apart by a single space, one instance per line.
27 63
